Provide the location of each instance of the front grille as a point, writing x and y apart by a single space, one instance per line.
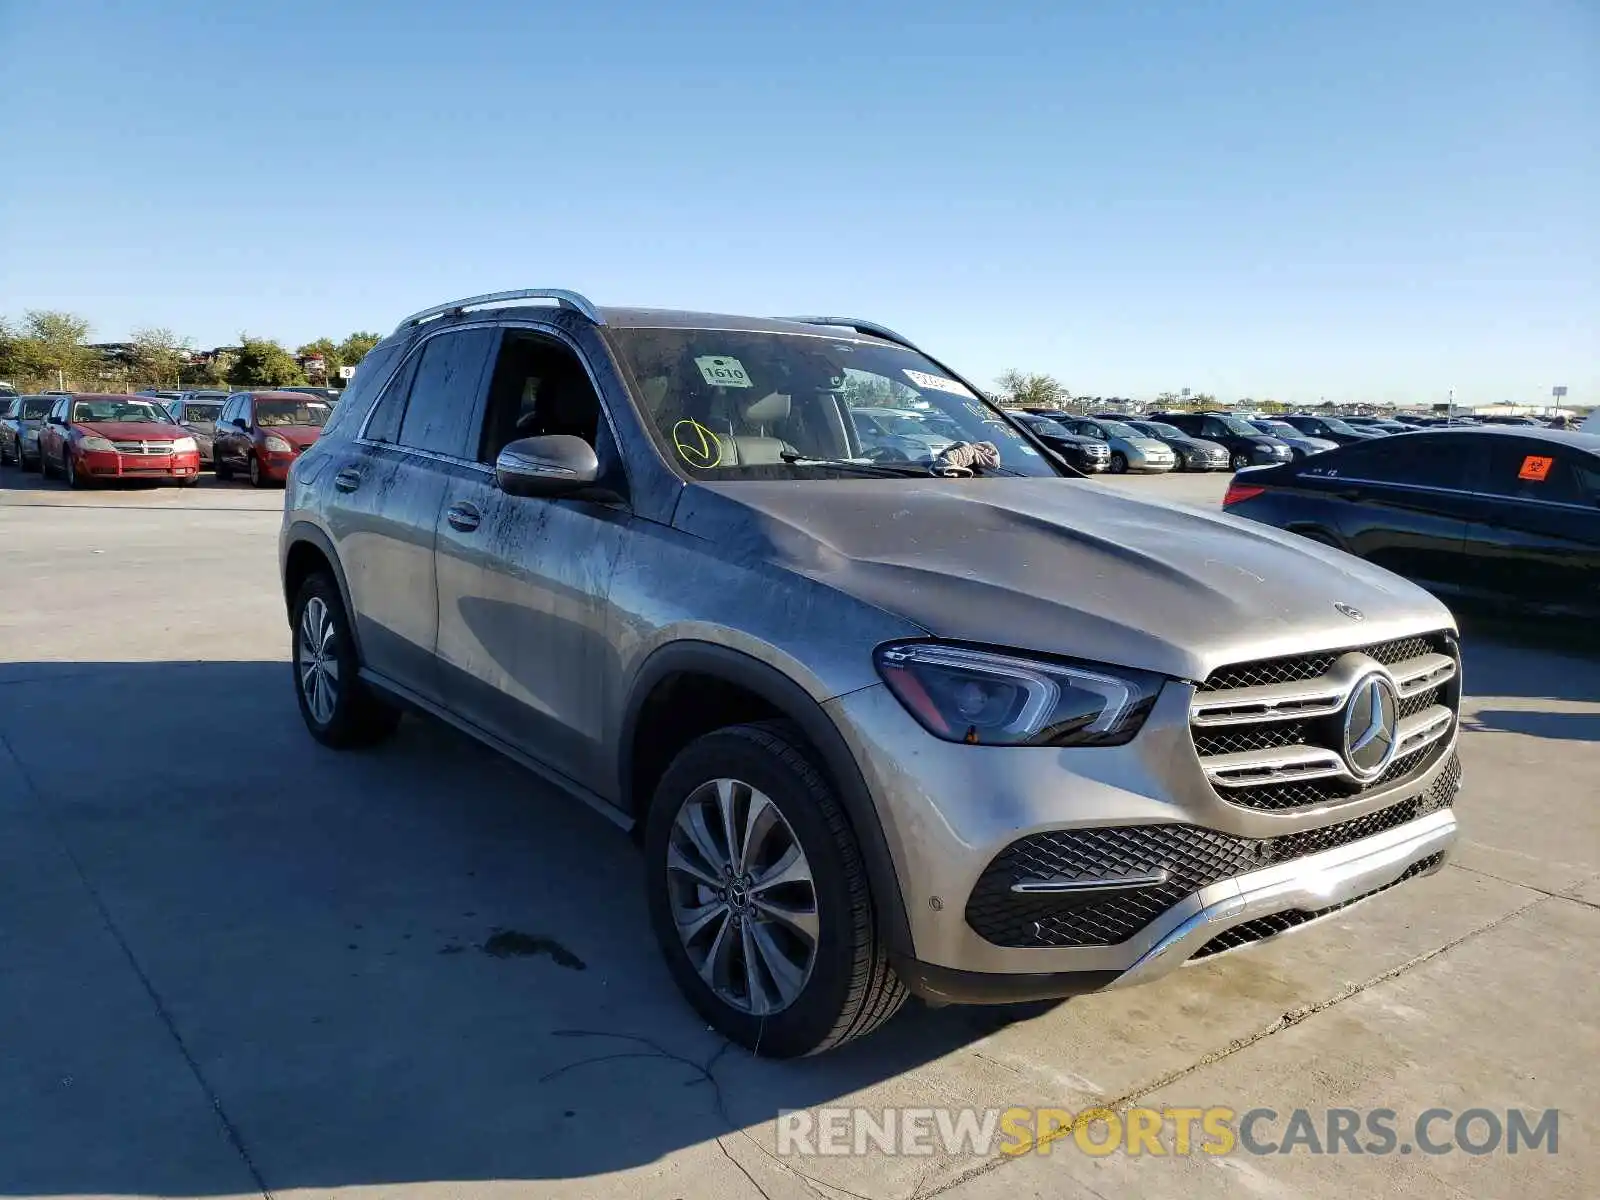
1192 856
1318 776
1295 668
163 448
1262 928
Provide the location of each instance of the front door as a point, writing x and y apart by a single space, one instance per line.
525 639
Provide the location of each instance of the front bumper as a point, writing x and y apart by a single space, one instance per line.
1149 464
108 464
949 811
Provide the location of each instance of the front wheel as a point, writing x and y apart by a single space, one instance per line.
256 478
220 469
1240 460
1119 463
759 896
339 710
74 480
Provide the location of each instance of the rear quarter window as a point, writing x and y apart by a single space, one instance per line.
368 381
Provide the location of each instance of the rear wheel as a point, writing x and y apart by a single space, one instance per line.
1119 463
339 710
759 896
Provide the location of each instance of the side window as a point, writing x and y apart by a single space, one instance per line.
1211 427
450 375
59 412
1420 462
230 410
540 387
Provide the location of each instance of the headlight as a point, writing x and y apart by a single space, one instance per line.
276 445
185 445
92 442
988 699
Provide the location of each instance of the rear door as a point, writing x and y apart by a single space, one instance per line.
1537 538
387 486
1402 503
525 626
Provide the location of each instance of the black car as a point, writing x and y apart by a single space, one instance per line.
1246 445
1497 514
1332 429
1087 454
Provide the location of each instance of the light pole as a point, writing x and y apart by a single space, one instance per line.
1452 412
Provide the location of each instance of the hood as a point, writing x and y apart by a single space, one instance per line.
132 431
298 436
1146 445
1064 567
1193 444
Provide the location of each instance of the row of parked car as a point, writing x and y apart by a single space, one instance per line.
1207 441
164 437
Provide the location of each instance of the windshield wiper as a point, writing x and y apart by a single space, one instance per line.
887 469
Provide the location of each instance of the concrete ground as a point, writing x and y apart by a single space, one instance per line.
234 963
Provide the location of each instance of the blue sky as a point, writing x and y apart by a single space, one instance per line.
1247 197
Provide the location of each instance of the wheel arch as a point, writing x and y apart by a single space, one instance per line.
306 549
641 763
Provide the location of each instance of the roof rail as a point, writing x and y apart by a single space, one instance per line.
860 326
575 301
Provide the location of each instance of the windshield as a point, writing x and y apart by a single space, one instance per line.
731 404
1278 428
1118 429
291 412
201 412
36 409
1161 429
1238 426
133 411
1337 425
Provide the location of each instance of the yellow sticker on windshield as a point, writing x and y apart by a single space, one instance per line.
697 445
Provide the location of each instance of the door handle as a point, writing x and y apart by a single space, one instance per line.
347 480
463 517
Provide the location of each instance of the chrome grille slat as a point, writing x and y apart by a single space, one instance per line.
1267 734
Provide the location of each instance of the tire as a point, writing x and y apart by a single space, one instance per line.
840 987
74 481
189 482
341 711
44 464
5 455
1119 463
36 465
1240 460
1321 538
221 470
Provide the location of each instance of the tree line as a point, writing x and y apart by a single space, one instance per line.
52 350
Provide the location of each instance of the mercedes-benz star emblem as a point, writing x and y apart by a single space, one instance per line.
1370 720
1349 610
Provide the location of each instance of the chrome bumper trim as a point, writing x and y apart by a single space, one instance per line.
1315 882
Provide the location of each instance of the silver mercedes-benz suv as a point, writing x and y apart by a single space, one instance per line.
951 721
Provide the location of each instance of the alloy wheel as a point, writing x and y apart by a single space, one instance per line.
743 897
319 665
255 471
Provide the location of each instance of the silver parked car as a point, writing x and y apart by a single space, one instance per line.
197 412
1130 449
975 731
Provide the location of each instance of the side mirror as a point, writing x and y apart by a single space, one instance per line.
241 423
557 464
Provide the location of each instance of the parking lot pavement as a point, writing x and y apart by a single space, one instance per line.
236 963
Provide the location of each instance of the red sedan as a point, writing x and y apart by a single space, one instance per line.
260 434
92 438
